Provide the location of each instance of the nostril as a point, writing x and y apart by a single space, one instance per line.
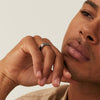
87 36
81 32
90 38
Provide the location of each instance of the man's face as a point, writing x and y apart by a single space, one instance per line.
81 45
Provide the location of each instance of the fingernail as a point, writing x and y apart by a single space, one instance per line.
43 81
57 81
38 74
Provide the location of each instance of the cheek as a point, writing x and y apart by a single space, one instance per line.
74 28
96 58
93 66
95 54
76 25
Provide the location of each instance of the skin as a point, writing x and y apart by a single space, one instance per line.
28 66
27 62
85 73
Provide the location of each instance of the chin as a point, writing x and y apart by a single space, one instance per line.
78 70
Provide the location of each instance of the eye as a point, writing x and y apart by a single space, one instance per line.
87 14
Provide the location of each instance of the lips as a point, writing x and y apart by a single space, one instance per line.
77 51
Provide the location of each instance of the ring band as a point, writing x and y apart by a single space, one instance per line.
43 45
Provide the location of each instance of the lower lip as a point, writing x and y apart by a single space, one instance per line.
76 54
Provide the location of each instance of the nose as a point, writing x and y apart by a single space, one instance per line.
89 37
91 31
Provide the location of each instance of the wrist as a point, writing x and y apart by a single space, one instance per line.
6 85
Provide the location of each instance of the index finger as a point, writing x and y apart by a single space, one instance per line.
58 66
30 46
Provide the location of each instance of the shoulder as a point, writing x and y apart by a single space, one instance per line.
46 94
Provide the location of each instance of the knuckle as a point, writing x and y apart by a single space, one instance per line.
47 40
37 37
27 38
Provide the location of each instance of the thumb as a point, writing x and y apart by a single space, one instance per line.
66 74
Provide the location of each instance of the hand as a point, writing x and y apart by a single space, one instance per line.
27 65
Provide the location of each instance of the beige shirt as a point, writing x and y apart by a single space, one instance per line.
59 93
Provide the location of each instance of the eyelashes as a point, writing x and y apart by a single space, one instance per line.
86 14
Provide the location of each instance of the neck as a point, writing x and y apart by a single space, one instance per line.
84 91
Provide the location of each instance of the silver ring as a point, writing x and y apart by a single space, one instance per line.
43 45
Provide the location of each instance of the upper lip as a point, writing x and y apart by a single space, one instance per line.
80 48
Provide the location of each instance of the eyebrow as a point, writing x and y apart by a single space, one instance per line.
92 4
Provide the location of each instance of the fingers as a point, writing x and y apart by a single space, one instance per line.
66 74
30 46
44 59
52 56
58 66
58 69
67 77
49 58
